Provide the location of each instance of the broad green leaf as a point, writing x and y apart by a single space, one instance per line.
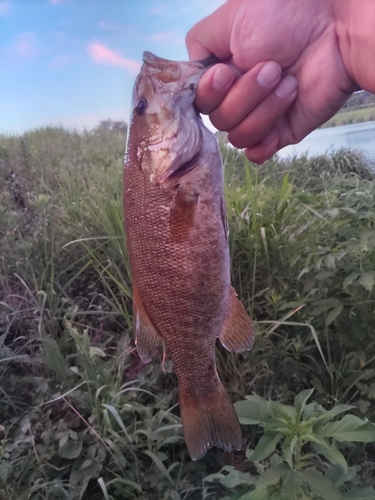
349 279
254 410
330 261
325 305
292 486
5 467
288 448
349 428
367 280
231 477
364 494
301 399
267 479
368 237
320 485
332 454
289 413
339 476
71 449
277 427
332 315
324 275
56 361
326 416
266 445
322 416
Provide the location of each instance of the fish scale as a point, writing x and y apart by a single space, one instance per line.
176 230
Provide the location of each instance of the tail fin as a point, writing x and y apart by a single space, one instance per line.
209 422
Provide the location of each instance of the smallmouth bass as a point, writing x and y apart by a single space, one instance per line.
177 239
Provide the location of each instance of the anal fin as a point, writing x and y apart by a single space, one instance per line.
147 339
237 333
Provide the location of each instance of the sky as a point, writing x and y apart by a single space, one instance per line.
73 62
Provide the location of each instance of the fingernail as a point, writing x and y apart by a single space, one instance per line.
269 74
270 137
286 87
222 78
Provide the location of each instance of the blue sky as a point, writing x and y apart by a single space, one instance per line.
73 62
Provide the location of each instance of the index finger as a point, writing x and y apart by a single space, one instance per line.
212 34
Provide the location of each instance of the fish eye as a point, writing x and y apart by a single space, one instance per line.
141 106
192 86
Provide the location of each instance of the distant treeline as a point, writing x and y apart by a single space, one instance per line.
359 108
358 100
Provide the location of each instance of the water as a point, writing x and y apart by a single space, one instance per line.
359 136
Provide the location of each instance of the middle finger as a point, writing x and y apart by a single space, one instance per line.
245 95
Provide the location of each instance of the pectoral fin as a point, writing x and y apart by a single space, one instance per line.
237 333
147 339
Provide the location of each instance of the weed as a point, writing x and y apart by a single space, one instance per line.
80 416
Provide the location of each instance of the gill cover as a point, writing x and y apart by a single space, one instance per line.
169 129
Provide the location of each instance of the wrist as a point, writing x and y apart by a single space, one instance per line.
355 28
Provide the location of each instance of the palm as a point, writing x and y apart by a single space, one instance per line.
304 43
323 87
299 35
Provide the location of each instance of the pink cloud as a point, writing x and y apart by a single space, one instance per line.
104 25
61 61
25 46
101 54
167 36
4 8
161 37
158 10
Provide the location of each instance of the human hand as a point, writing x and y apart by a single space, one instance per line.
298 39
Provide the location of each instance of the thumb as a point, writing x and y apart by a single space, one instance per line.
212 34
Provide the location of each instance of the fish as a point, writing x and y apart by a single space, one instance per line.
177 240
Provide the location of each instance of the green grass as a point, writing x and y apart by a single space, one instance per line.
80 416
366 114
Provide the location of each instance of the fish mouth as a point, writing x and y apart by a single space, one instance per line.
175 128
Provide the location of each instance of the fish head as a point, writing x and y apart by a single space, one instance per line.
168 128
